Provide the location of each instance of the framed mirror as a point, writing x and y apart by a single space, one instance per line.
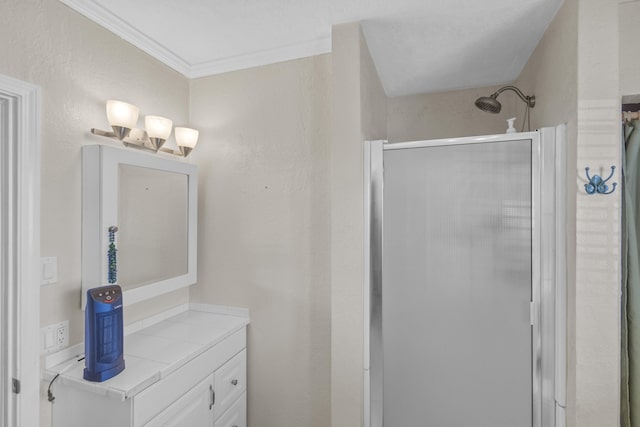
152 200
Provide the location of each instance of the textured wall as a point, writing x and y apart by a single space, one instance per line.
78 65
449 114
358 113
373 100
264 228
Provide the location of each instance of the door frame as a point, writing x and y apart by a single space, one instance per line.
20 251
548 308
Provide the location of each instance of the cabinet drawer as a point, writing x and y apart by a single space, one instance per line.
230 382
236 415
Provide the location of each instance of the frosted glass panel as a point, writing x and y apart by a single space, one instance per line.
457 286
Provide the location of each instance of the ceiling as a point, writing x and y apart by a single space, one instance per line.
418 46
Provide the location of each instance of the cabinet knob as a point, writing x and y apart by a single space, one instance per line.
234 382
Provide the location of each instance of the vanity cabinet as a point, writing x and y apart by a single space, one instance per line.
192 409
221 397
186 370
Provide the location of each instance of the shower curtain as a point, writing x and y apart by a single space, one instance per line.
630 378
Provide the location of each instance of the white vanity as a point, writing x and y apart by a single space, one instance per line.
184 368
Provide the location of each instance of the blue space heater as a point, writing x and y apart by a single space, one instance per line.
103 333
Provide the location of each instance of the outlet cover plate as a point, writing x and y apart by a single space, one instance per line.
54 337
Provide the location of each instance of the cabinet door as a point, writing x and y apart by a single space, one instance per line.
194 409
236 415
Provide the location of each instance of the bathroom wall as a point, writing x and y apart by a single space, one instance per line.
281 188
449 114
264 227
358 113
551 74
78 65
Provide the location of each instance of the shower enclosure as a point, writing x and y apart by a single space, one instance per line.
464 286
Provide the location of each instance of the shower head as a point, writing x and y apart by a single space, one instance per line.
491 104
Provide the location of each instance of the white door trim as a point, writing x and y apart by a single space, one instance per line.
20 311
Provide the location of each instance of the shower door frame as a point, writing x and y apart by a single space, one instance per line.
548 286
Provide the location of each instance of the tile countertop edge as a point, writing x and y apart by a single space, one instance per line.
77 350
221 309
65 358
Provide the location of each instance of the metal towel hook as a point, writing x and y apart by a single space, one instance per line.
597 184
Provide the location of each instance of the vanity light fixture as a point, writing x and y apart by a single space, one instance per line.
158 129
186 139
123 118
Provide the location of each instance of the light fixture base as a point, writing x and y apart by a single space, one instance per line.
185 151
121 132
139 139
104 133
156 143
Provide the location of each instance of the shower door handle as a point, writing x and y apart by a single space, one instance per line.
532 313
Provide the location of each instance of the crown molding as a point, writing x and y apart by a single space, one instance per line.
265 57
103 17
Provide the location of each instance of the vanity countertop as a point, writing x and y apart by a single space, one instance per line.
154 348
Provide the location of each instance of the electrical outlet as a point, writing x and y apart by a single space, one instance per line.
62 335
55 337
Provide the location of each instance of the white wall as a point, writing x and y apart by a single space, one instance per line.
264 228
359 109
78 66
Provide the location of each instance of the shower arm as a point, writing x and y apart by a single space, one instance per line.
529 100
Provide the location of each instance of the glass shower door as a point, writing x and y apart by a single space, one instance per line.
457 285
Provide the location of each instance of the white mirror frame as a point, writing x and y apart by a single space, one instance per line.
100 165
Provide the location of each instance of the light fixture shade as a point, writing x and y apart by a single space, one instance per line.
122 114
158 127
186 137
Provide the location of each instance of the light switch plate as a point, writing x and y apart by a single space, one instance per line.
48 270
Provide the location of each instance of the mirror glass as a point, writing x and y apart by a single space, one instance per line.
153 200
152 225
